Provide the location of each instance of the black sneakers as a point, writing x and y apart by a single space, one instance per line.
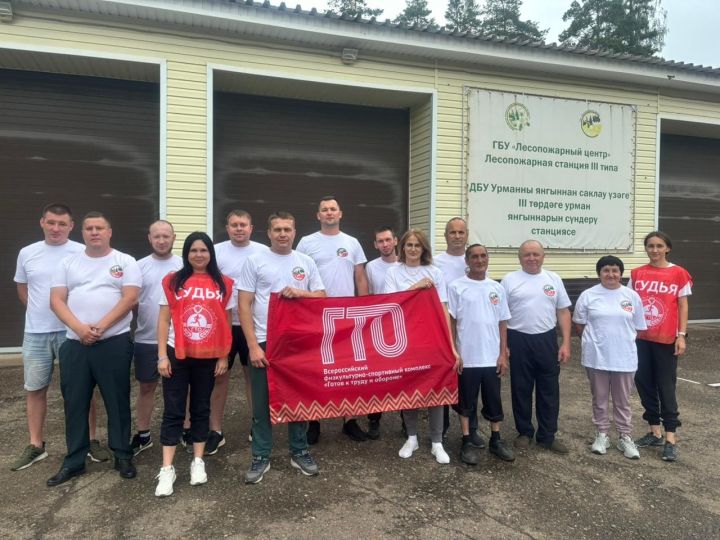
353 430
214 442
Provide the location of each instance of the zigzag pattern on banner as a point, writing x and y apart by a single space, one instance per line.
359 406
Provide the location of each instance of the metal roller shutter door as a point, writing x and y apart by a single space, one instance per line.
281 154
87 141
690 213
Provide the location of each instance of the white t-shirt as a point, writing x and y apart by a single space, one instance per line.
401 277
268 272
534 300
336 256
163 301
452 266
153 271
612 318
478 306
36 265
376 270
231 259
95 286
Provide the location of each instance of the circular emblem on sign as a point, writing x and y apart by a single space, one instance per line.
116 271
627 306
342 252
298 273
549 290
197 323
494 299
654 312
590 123
517 116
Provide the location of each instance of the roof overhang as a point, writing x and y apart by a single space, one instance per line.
297 28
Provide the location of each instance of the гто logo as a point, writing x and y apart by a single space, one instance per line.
298 273
116 271
197 323
549 290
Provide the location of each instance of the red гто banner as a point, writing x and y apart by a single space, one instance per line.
351 356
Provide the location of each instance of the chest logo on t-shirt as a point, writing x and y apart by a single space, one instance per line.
494 298
627 306
298 273
342 252
197 323
116 271
549 290
655 312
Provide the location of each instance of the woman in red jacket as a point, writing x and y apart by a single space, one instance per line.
194 337
664 289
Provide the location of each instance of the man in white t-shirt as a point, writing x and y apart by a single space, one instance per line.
386 243
154 268
293 275
231 256
478 317
44 332
93 293
538 302
341 262
453 266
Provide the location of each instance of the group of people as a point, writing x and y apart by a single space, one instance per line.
198 312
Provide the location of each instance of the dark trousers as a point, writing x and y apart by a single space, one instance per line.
262 439
197 375
534 364
82 367
655 380
474 382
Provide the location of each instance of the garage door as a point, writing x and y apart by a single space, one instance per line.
281 154
690 213
89 142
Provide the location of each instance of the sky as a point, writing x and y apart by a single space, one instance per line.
692 23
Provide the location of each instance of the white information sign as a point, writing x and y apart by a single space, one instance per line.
557 170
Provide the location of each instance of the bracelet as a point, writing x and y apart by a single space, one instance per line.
163 358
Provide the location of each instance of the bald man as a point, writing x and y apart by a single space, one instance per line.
538 302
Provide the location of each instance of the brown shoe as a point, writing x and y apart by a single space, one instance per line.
557 446
522 442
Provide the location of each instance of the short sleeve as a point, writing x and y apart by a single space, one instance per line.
580 313
638 312
452 301
59 278
20 275
163 301
132 275
247 279
563 300
316 282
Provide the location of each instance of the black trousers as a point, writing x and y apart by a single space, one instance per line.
656 380
82 367
534 365
198 376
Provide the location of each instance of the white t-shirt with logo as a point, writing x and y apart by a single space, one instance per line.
612 318
376 270
231 259
534 300
153 271
336 256
401 277
478 306
268 272
95 286
36 265
452 266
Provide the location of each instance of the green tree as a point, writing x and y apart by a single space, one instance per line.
623 26
353 8
501 18
416 12
463 16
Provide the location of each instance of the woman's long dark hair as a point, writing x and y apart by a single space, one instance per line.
181 276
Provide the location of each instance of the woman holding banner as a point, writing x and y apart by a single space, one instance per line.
416 271
194 339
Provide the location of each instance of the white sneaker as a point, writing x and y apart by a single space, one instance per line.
439 452
627 446
409 447
166 479
197 472
601 444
